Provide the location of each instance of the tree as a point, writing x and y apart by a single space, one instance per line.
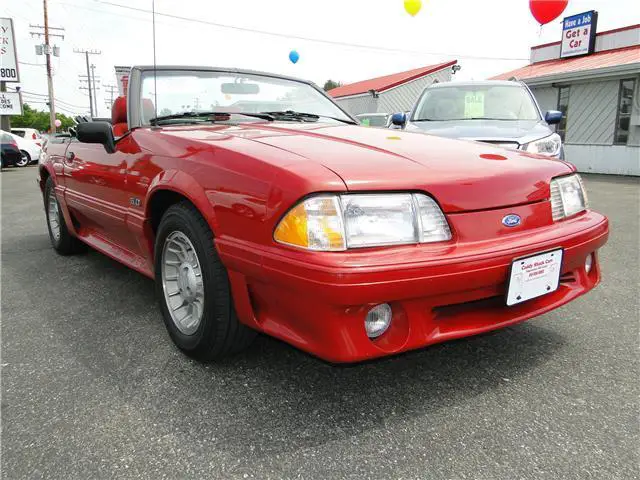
329 84
164 112
32 118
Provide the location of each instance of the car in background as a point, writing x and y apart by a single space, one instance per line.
10 152
382 120
503 113
29 134
30 150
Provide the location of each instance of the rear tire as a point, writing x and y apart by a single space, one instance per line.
25 159
192 287
61 240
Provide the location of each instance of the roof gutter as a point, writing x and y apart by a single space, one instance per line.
584 75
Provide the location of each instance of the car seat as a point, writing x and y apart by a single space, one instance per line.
119 117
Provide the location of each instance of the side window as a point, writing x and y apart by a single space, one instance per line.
625 104
563 106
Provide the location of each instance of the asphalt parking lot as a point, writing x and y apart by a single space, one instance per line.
92 386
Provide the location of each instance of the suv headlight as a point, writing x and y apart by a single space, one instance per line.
568 197
549 146
339 222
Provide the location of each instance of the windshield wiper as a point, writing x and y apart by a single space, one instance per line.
304 117
211 115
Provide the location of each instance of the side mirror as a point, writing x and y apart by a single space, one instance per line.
96 132
399 119
552 117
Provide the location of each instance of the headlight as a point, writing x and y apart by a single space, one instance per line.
549 146
339 222
568 197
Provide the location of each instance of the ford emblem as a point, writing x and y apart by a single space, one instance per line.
511 220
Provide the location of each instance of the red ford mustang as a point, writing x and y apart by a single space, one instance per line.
257 204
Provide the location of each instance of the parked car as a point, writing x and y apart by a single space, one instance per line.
342 240
29 134
10 152
30 150
504 113
374 119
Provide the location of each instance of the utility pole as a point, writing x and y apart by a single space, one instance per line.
93 85
89 83
48 52
86 56
111 90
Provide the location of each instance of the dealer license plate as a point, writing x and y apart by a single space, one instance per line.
534 276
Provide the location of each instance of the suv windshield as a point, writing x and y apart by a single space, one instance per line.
180 92
470 102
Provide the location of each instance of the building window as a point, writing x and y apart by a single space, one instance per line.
625 104
563 106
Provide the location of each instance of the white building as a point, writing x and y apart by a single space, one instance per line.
391 93
599 94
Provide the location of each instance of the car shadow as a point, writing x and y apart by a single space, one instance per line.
272 398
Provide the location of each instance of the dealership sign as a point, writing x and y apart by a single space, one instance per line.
10 103
122 75
579 34
8 56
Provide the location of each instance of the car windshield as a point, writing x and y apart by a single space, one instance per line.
180 92
471 102
20 133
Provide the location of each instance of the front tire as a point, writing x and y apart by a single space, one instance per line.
25 159
61 240
193 288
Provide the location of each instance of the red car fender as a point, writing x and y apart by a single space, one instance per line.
46 170
184 184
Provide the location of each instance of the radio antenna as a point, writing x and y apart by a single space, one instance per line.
155 80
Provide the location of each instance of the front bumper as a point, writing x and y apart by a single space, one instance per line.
318 301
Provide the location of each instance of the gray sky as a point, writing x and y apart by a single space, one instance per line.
467 30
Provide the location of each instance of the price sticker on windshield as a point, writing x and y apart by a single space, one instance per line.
474 104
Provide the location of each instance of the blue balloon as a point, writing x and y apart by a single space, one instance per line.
294 56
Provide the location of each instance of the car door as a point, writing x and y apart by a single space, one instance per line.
95 182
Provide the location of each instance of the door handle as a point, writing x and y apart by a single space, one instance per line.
69 157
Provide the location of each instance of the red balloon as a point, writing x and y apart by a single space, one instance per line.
545 11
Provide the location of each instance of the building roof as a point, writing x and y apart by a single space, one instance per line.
380 84
596 61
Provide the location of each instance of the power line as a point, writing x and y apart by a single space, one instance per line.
45 95
300 37
61 108
63 104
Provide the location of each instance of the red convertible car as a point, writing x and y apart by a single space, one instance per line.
259 205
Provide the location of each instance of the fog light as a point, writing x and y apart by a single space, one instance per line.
378 320
588 263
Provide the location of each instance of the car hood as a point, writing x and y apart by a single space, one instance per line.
521 131
461 175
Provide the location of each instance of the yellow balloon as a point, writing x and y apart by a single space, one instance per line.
412 6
